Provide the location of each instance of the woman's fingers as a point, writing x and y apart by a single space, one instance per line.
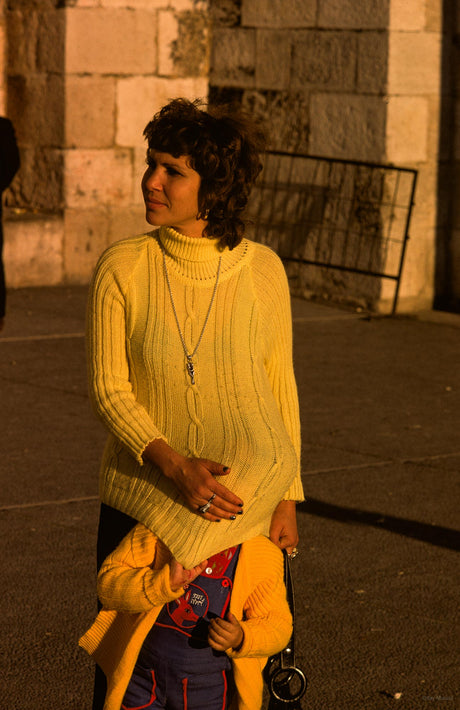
219 509
217 469
283 527
207 496
204 494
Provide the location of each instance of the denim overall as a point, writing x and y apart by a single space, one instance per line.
176 668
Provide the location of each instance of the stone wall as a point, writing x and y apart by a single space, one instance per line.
84 77
337 78
413 134
366 81
316 71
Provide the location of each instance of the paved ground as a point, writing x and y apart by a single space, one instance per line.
377 578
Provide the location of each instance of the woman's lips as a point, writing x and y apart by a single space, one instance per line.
154 204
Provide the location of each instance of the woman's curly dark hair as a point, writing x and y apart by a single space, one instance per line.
224 146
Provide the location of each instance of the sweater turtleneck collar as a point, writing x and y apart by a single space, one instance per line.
195 257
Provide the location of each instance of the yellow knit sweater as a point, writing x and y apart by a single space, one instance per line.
133 585
243 410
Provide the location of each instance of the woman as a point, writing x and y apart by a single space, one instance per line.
189 352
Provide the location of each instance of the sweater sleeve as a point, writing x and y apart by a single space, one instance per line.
110 387
275 305
267 619
135 577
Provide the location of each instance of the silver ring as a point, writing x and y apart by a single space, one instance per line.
292 555
204 508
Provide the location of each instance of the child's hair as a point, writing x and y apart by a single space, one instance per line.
224 146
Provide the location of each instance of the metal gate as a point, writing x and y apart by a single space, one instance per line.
343 215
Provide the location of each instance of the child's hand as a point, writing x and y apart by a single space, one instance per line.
225 633
181 577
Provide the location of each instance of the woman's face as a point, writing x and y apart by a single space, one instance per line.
170 189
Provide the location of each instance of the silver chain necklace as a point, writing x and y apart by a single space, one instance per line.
189 356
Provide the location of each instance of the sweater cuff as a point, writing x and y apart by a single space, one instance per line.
245 648
139 454
295 490
157 587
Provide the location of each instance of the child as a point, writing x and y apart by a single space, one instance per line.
194 639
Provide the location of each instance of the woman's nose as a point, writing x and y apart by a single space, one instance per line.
153 179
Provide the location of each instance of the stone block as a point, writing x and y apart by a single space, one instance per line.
98 177
417 280
176 5
192 50
139 98
350 14
407 130
439 14
372 72
90 3
408 15
425 213
139 169
273 59
2 35
414 63
26 5
286 116
111 41
435 151
85 238
36 107
225 13
324 60
33 253
183 47
51 42
233 57
167 34
278 14
22 30
90 111
126 222
347 126
39 183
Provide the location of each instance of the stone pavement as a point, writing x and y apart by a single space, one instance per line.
377 577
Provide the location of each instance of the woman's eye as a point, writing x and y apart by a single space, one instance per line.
173 171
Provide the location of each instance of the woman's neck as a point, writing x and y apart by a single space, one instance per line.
191 257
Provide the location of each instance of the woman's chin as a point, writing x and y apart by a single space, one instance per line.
154 219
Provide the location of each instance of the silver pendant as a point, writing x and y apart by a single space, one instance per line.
191 369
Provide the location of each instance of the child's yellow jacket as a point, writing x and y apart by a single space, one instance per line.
133 585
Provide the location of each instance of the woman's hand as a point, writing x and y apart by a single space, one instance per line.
195 481
180 577
225 633
283 527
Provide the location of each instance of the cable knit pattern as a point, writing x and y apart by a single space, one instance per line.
135 578
242 411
